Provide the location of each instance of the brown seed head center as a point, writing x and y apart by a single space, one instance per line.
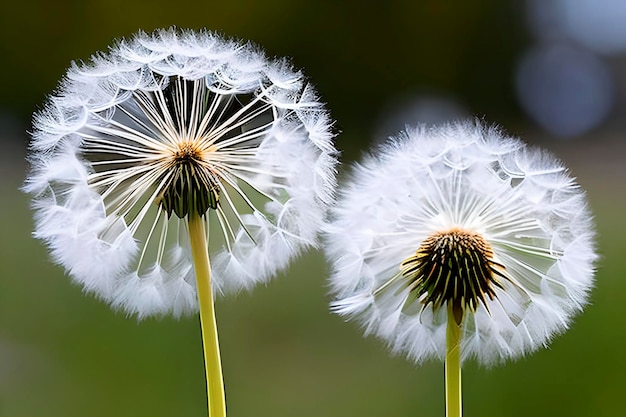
192 186
455 267
187 152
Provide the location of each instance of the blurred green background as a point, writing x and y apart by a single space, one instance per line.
377 65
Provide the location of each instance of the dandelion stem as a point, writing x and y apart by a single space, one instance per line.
454 406
212 362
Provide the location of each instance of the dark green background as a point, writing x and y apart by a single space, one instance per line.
65 354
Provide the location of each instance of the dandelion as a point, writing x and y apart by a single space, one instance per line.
173 149
458 242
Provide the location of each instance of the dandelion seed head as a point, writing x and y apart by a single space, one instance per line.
461 215
166 125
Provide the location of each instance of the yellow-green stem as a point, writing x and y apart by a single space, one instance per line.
454 407
212 361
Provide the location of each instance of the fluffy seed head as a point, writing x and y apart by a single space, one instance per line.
462 216
168 125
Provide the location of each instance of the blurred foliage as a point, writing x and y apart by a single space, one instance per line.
66 354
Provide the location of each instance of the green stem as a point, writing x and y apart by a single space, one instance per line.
454 407
212 362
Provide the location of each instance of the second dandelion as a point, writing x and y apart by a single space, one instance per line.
456 242
173 149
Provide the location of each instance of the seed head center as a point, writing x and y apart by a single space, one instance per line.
454 267
188 152
192 185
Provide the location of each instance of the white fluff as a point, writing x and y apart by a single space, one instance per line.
463 175
144 267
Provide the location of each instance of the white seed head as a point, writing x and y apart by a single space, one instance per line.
166 125
461 215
